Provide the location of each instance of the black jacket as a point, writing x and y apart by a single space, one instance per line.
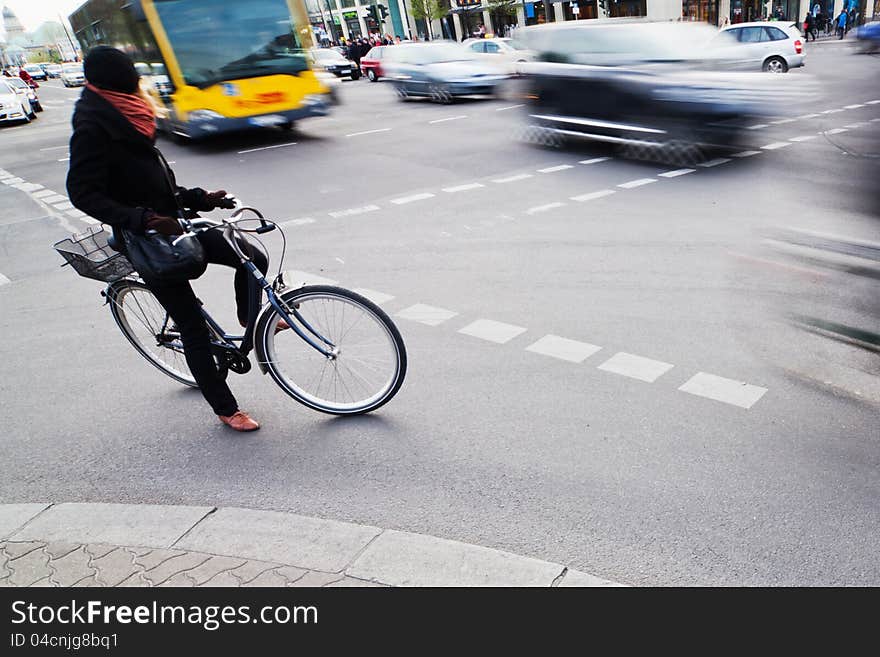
116 173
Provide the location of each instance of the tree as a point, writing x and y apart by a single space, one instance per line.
429 11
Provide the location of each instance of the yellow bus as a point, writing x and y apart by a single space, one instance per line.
214 66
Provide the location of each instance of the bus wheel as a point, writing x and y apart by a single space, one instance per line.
287 126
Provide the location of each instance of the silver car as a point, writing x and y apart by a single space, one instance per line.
13 106
767 46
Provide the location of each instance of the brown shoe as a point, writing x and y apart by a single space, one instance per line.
280 326
240 421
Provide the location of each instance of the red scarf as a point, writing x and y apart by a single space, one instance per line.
134 108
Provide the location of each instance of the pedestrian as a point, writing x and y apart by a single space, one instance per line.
119 177
808 27
24 75
354 53
841 24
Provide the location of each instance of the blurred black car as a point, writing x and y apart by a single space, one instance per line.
332 61
656 89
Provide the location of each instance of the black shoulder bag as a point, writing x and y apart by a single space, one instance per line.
166 258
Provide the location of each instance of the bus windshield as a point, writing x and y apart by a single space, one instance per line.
215 41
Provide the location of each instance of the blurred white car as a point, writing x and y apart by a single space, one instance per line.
13 106
23 89
72 74
505 52
771 47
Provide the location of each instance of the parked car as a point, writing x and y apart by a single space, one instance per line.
35 71
26 91
761 46
442 71
371 63
333 62
72 74
13 106
652 88
53 70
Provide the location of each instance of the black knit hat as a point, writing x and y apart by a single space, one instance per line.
111 69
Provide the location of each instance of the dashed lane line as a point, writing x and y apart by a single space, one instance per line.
561 167
555 346
543 208
350 212
591 196
776 145
746 153
802 138
594 160
368 132
412 198
836 131
832 111
510 179
872 102
3 280
809 116
856 106
758 126
714 163
425 314
737 393
462 188
635 367
54 148
261 148
449 118
297 222
492 331
509 107
676 173
783 121
637 183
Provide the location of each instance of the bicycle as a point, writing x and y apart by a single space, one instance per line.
341 354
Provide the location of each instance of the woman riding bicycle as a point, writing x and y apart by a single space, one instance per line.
119 177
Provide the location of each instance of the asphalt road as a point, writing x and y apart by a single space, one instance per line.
574 452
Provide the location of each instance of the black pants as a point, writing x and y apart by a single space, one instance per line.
180 302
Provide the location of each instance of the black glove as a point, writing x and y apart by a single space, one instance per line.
218 200
162 224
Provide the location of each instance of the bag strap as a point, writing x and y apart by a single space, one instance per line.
166 169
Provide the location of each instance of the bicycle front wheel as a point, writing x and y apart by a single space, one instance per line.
369 361
146 324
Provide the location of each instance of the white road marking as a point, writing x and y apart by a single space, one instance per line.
425 314
263 148
875 120
776 145
297 222
746 153
836 131
724 390
872 102
376 297
66 205
89 220
54 148
76 214
561 167
521 176
4 280
715 162
13 181
832 111
64 159
853 126
637 183
353 211
593 195
487 329
852 106
367 132
808 116
43 193
563 348
635 367
544 208
594 160
294 277
782 121
509 107
802 138
462 188
411 199
54 199
676 173
28 187
451 118
757 126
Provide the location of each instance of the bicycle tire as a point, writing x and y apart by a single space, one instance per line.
318 304
120 296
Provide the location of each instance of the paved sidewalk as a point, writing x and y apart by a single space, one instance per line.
81 545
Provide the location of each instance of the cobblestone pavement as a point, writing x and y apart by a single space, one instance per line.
38 563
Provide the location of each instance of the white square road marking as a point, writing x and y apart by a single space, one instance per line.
563 348
67 205
776 145
376 297
715 162
802 138
54 199
462 188
13 181
544 208
28 187
724 390
635 367
295 278
76 214
561 167
44 193
746 153
410 199
593 195
425 314
637 183
676 173
521 176
493 331
594 160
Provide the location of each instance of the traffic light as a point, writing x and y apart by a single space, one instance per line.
372 14
384 11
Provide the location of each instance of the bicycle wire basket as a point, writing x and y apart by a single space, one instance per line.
91 256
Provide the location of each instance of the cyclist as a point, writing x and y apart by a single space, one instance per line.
119 177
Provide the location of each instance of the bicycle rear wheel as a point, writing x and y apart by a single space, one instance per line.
370 361
146 324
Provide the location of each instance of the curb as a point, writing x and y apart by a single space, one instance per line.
363 552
